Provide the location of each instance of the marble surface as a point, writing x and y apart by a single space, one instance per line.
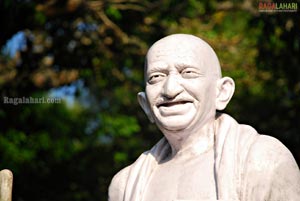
204 155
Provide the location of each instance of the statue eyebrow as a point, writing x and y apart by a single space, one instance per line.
182 66
154 69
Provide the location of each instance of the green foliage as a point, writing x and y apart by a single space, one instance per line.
71 151
119 125
40 18
114 13
14 149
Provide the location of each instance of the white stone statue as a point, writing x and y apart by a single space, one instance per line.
204 155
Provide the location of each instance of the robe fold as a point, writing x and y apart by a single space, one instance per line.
248 167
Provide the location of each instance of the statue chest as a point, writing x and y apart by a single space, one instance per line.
186 178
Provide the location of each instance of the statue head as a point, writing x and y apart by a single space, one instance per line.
184 86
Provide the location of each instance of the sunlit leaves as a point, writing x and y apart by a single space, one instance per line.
103 44
119 125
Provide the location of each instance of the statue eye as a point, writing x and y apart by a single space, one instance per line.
189 73
155 78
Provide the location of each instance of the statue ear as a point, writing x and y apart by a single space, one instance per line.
141 96
225 90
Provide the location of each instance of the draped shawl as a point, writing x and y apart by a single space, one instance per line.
247 166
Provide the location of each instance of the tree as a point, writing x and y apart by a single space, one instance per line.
71 151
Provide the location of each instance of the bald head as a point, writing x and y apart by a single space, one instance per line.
184 87
187 49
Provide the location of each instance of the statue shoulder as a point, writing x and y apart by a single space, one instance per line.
117 186
259 149
271 172
270 151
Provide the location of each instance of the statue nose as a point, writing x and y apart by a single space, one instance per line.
172 87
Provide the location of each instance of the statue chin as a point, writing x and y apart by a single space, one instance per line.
174 123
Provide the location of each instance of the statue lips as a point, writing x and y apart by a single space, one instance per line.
177 107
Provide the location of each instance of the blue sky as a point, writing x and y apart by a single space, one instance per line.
15 44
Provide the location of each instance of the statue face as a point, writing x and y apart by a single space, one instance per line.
180 88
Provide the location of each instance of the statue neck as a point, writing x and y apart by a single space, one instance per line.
196 142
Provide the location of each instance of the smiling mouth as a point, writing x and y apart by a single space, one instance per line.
170 104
